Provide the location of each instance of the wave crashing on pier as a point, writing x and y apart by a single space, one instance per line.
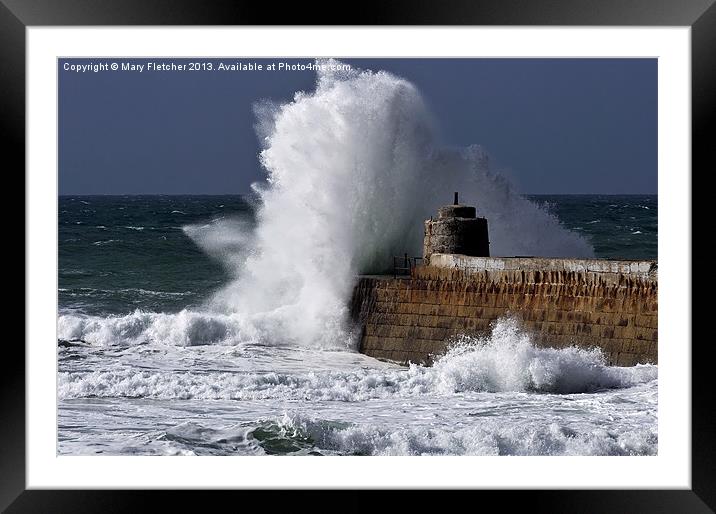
352 170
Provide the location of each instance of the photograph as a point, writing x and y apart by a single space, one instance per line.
357 256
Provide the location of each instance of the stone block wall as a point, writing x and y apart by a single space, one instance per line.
562 302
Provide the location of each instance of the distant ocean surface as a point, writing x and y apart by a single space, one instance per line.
145 367
123 252
618 227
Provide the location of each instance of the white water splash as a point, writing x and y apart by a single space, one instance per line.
507 361
353 168
498 395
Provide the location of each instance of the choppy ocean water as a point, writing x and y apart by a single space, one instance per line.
149 365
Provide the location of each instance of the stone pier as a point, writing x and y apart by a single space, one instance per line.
607 304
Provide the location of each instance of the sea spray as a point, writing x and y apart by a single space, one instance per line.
352 170
508 360
346 169
229 241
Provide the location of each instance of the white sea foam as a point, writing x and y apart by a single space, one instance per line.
185 328
491 437
494 396
508 361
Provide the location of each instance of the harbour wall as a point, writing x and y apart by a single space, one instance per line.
607 304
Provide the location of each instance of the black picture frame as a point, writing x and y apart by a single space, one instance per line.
700 15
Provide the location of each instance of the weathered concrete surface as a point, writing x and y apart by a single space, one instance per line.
608 269
456 231
609 304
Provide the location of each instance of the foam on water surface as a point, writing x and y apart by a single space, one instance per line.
495 396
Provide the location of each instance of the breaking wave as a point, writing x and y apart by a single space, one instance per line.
352 170
298 434
507 361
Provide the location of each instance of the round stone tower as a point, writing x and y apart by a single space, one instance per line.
457 231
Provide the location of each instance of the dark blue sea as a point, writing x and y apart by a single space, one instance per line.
119 253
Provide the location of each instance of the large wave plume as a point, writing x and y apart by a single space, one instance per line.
352 170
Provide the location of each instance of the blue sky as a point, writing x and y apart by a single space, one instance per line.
552 125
